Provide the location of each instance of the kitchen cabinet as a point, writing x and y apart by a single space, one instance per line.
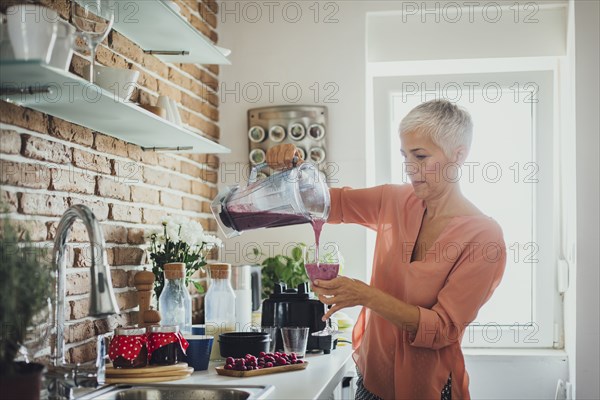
67 96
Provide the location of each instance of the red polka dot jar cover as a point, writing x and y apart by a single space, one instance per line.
129 347
164 335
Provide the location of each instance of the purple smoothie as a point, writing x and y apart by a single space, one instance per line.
317 225
243 221
322 271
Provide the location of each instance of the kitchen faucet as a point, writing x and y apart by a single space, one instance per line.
62 378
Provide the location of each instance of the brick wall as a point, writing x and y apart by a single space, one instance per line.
48 164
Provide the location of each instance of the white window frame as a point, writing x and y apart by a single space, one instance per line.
384 79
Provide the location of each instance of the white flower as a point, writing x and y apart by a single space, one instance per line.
191 233
157 235
161 239
179 228
153 232
173 232
211 240
179 220
166 220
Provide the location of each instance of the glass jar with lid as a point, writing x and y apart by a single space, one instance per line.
128 348
175 303
166 345
219 304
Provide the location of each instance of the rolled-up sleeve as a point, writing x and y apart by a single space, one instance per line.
469 286
356 206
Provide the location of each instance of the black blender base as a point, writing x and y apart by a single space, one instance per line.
315 344
321 343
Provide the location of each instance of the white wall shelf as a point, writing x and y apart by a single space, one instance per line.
67 96
157 28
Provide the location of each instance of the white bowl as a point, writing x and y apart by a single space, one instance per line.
119 81
165 102
63 48
32 31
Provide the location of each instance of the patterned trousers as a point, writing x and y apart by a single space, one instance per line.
363 394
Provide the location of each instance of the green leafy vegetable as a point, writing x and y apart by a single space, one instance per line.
288 269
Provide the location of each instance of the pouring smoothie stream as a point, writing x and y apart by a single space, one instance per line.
315 268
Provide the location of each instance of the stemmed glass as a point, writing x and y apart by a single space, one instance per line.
323 266
93 20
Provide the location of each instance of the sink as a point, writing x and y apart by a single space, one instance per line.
179 392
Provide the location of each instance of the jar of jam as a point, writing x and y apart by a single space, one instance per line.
128 348
165 345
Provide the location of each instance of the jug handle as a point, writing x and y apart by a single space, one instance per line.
258 167
254 172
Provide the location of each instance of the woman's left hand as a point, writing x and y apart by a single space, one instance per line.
342 292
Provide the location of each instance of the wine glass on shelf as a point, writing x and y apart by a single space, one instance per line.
93 20
323 265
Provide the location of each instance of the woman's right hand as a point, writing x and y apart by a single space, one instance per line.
282 156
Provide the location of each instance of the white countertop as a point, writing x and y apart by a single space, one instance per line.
321 376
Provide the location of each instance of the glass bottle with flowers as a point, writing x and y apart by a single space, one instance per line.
179 240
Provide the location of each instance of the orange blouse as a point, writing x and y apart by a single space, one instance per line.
457 275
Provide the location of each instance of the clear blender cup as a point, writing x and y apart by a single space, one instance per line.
294 196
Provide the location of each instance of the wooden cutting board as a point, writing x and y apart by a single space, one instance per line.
149 371
149 379
264 371
149 374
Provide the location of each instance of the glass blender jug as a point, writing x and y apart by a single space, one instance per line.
294 196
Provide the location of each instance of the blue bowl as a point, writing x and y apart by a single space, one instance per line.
199 329
198 352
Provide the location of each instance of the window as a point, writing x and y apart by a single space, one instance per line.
509 175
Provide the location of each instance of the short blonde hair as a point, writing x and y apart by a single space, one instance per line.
447 125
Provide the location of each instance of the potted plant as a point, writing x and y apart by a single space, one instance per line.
179 240
288 269
25 287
